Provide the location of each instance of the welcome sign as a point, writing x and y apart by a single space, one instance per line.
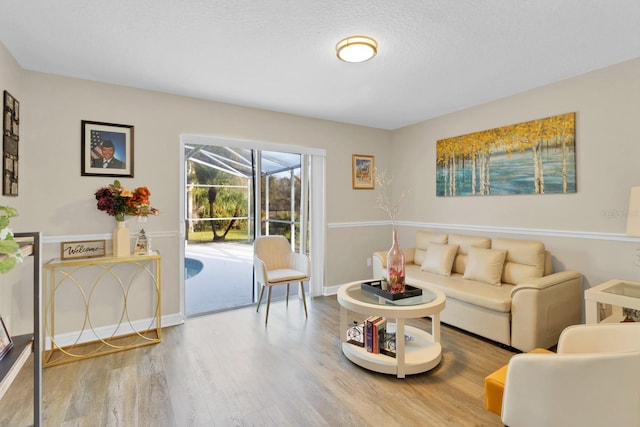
84 249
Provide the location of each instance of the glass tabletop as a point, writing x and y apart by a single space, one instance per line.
624 288
358 294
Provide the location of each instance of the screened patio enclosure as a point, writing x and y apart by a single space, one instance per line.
227 204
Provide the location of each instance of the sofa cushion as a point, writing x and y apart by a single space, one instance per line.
485 265
439 258
423 238
525 259
465 242
496 298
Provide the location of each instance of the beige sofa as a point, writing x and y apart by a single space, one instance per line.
502 289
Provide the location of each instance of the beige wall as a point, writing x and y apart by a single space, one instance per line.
56 200
16 289
586 229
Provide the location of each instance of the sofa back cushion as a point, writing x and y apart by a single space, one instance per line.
548 263
439 258
423 238
525 259
465 242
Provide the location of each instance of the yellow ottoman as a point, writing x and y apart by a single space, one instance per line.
494 385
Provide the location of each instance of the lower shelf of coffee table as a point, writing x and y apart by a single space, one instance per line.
421 354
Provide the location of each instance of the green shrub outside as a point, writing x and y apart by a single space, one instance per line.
207 236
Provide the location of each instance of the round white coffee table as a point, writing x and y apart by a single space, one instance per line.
419 354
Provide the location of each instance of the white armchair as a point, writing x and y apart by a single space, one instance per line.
276 264
593 380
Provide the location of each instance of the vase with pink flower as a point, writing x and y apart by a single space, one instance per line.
396 264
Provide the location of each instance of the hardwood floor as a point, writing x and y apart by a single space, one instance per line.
227 369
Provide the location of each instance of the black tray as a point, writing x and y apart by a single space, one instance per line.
375 287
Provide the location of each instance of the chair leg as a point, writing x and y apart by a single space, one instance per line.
304 299
266 319
287 304
260 299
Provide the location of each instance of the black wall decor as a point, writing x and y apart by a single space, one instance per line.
10 140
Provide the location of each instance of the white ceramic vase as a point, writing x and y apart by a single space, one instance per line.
121 240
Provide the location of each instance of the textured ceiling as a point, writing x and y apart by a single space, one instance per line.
435 56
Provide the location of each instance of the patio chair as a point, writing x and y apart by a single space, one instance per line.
276 264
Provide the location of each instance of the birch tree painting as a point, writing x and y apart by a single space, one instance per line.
536 157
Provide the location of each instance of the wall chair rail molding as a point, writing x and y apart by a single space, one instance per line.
50 240
590 235
358 224
526 231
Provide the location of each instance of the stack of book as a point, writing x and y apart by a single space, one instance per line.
374 333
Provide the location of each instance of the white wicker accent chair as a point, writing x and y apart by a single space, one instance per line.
593 380
276 264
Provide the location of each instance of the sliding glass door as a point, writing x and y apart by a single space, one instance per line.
283 197
233 194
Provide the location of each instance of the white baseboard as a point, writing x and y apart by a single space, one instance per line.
330 290
104 332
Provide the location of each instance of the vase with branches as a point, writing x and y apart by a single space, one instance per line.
389 201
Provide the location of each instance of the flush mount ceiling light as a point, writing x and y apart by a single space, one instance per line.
356 49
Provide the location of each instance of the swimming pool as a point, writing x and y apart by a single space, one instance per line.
192 267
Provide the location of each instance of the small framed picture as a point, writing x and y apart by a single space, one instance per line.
107 149
6 343
362 172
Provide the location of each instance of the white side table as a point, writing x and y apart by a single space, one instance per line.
617 293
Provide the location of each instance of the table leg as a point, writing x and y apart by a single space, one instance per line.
435 327
400 347
343 324
591 312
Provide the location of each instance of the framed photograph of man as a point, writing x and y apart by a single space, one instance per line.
107 149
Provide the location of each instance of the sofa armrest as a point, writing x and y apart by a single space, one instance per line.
380 261
555 279
542 308
379 265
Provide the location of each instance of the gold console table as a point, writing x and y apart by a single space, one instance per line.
119 300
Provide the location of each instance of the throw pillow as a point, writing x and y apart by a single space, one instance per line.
485 265
423 238
439 258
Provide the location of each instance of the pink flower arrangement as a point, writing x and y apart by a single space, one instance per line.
396 280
